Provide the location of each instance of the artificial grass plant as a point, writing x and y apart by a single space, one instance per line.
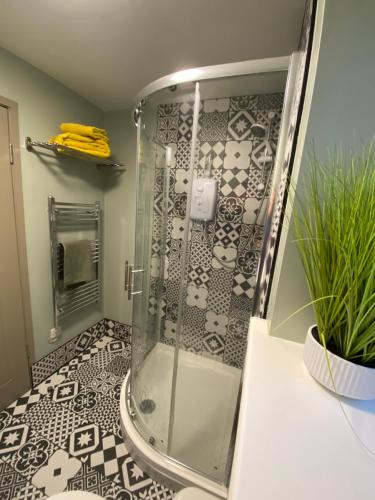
334 228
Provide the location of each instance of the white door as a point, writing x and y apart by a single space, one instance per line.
14 371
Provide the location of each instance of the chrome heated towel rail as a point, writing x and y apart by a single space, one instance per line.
73 217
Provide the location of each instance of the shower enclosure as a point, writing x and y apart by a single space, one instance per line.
193 280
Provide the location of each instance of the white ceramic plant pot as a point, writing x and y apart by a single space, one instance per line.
351 380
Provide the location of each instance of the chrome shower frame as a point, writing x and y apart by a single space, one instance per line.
241 68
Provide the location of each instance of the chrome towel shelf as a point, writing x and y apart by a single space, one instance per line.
71 217
61 150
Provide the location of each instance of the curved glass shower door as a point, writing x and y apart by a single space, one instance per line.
147 276
194 279
153 338
237 133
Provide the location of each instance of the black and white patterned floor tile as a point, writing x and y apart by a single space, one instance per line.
25 402
65 433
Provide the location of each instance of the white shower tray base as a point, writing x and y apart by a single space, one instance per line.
206 398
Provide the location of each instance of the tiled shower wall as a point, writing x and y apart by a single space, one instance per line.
218 299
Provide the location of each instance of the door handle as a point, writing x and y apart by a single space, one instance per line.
129 280
132 272
126 284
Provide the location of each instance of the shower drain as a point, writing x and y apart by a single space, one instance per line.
147 406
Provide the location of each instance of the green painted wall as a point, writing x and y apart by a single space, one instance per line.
43 104
119 218
342 114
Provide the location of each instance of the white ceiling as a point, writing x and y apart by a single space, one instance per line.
108 50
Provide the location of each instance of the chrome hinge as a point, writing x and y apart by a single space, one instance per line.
11 157
136 114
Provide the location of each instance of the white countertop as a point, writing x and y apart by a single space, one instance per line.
293 440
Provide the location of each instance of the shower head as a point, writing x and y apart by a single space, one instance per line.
258 130
261 131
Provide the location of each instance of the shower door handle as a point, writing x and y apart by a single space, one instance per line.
131 282
126 284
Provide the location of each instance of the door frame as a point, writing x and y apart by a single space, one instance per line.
14 139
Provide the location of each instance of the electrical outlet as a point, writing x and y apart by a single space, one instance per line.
54 334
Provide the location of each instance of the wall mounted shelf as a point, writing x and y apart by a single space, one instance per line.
62 151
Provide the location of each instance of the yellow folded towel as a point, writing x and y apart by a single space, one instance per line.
80 141
89 146
85 130
100 149
75 137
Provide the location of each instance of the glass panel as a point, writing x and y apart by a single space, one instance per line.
161 198
239 123
148 275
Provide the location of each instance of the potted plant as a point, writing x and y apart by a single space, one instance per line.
334 228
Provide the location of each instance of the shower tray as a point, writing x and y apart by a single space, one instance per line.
208 416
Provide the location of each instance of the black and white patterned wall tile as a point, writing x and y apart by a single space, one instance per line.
269 251
167 123
221 264
65 435
49 364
